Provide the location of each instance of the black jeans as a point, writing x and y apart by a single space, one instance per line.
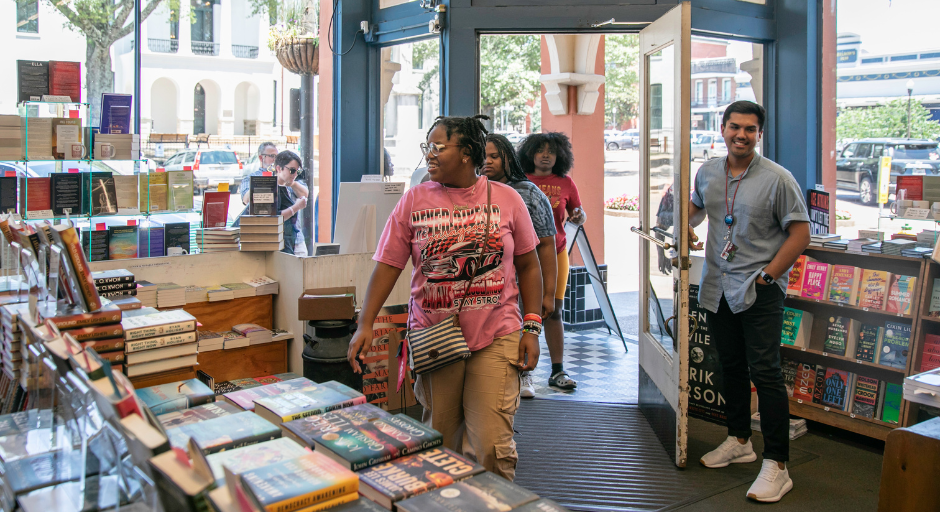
749 351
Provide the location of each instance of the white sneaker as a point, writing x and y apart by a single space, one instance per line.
729 452
528 386
771 484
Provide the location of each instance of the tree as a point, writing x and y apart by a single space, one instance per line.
102 23
621 90
510 67
889 120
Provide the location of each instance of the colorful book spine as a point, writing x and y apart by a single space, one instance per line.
891 403
68 238
795 277
805 382
819 387
160 342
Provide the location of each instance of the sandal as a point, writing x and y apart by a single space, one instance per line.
561 381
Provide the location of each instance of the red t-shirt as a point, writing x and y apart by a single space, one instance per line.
563 194
443 245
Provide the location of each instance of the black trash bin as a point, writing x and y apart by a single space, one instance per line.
324 356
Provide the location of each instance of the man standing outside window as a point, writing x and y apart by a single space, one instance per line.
757 228
267 152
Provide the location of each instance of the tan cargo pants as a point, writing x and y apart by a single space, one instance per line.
473 402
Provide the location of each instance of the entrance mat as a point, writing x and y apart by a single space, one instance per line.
601 457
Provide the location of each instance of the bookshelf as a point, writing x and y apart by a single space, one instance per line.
815 353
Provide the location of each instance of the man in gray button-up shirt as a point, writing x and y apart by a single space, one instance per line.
757 227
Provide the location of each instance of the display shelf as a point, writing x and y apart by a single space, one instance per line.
835 305
251 361
895 217
850 360
816 412
861 254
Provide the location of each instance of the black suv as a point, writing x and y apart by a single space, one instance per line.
858 164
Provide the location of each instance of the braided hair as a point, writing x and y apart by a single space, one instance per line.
507 154
471 134
557 141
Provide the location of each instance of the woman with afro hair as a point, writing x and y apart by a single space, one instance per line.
547 159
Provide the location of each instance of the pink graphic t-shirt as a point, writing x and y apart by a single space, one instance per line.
442 233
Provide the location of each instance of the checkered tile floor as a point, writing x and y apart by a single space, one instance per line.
605 373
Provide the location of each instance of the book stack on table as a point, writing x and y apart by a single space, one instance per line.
147 294
240 290
115 284
856 244
217 239
819 239
232 339
256 334
230 386
219 292
894 247
196 294
170 295
158 341
261 233
100 330
263 285
209 341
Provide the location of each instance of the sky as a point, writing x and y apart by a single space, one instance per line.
890 26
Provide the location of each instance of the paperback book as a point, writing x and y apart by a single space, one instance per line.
838 333
297 484
805 382
409 476
175 396
485 491
816 281
865 401
245 398
795 279
317 399
225 433
873 288
197 414
843 284
836 388
894 345
900 294
797 326
891 402
869 341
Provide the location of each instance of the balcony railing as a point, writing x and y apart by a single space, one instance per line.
205 48
245 52
163 45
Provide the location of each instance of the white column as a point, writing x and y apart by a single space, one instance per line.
185 33
225 29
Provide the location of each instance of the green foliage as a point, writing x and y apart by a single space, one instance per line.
621 90
510 66
291 20
889 120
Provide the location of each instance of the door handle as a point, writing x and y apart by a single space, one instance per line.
694 320
651 238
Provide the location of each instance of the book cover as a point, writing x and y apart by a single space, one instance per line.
805 382
215 209
835 388
175 396
317 399
894 345
866 397
161 323
180 190
103 193
105 345
8 194
176 234
196 414
843 284
112 276
263 196
934 309
38 193
797 326
65 131
789 369
224 433
123 243
66 237
872 290
816 280
409 476
795 278
819 387
96 332
156 232
66 193
900 294
255 456
363 435
891 402
158 191
65 79
245 398
169 340
32 80
298 483
869 337
542 505
115 113
125 187
230 386
837 334
485 491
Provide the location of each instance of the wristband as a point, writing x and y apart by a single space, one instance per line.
533 317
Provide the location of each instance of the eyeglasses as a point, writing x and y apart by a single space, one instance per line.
268 156
434 148
295 170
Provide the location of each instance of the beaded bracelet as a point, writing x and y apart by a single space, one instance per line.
532 327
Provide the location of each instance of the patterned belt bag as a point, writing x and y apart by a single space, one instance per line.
443 344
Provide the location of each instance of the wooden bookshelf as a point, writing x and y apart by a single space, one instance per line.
921 268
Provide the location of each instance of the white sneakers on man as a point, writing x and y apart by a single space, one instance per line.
527 389
729 452
771 484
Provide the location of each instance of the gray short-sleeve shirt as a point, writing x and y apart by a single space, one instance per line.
768 199
539 208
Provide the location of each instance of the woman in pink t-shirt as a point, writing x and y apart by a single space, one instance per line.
440 226
546 159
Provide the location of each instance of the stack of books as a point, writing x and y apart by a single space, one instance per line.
231 386
894 247
261 233
147 294
100 330
170 295
11 138
219 292
244 398
928 237
263 285
822 238
797 426
114 284
126 145
872 248
159 341
856 245
255 333
209 341
234 339
196 294
217 239
240 290
13 345
838 245
917 252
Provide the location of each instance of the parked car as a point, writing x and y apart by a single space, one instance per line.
858 164
634 135
514 137
621 140
210 167
708 145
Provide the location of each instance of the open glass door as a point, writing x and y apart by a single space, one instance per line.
665 49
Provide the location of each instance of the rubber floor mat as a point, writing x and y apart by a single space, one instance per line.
602 457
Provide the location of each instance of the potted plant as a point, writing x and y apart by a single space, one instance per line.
294 38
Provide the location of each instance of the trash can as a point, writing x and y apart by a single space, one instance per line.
324 356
